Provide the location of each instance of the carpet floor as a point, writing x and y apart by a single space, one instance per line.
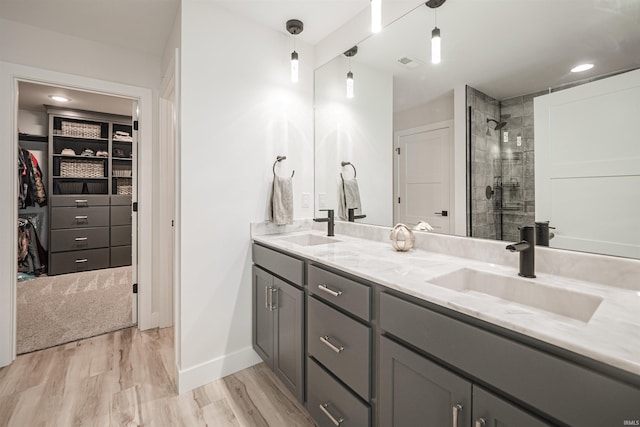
53 310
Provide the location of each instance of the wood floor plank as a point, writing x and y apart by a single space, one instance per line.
126 378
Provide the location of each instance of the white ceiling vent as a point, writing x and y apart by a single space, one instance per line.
407 62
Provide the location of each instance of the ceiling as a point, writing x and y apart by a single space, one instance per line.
502 47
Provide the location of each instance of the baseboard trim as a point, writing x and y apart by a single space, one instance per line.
206 372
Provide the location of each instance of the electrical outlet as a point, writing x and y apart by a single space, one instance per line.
505 136
306 199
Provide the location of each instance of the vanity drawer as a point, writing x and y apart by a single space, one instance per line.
75 261
341 344
285 266
345 293
79 201
79 217
120 215
79 238
555 386
338 402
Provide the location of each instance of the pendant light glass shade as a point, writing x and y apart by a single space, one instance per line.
349 85
376 16
435 46
294 67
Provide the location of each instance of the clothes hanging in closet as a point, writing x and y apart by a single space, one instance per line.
31 255
30 181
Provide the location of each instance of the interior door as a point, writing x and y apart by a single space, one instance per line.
134 213
424 166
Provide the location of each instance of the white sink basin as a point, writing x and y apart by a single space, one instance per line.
309 240
575 305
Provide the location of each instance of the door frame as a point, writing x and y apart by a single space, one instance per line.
446 124
10 75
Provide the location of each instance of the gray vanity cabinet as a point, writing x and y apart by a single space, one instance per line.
278 321
417 392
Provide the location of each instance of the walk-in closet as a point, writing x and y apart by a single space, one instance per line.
76 229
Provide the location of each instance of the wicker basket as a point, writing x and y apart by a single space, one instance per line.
70 187
97 187
82 130
81 168
124 187
121 170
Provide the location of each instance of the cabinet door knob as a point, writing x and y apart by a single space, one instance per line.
334 420
328 290
480 422
457 408
325 340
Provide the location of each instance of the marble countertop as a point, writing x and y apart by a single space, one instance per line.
611 335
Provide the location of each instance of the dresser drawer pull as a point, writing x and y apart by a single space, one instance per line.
325 340
80 261
457 408
329 290
323 408
82 202
480 422
81 239
79 217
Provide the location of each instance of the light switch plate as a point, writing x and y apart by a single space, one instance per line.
505 136
322 200
306 199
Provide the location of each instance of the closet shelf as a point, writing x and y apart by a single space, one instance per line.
65 156
79 138
77 177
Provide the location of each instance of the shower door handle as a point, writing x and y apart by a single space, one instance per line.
443 213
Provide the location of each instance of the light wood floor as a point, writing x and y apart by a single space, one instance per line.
125 378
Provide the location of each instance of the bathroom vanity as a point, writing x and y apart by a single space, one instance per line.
367 336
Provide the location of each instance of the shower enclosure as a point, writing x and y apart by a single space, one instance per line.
500 165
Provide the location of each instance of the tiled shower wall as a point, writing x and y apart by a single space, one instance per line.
507 166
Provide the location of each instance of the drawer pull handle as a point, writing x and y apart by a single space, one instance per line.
329 290
269 291
79 217
82 202
81 239
480 422
457 408
323 408
325 340
80 261
267 304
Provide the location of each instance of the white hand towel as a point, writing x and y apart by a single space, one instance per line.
349 198
282 201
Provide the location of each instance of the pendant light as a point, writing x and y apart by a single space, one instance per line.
376 16
294 27
351 52
436 49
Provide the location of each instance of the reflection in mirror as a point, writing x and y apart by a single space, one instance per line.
506 63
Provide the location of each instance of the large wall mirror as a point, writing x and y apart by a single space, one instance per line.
540 143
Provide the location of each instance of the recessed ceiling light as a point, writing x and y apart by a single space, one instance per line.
582 67
59 98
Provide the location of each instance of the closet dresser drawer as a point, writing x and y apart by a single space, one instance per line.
120 215
79 217
341 344
72 262
338 290
121 235
120 200
79 238
120 256
331 404
79 201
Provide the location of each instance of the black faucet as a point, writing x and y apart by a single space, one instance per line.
526 247
329 220
352 215
542 233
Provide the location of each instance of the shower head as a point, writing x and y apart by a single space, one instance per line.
498 126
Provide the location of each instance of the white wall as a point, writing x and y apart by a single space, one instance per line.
357 130
238 111
33 122
437 110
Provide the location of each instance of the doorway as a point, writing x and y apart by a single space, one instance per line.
76 277
423 189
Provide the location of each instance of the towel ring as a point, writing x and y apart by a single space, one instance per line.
279 159
355 173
